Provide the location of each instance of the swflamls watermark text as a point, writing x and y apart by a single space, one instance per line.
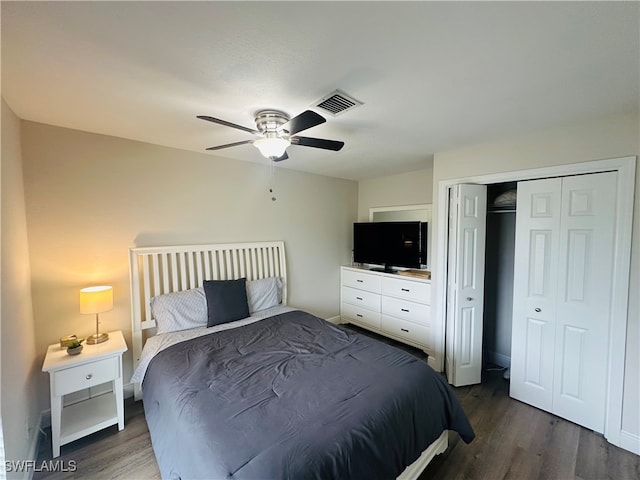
44 466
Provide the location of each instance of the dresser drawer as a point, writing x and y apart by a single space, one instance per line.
409 330
85 376
405 310
401 288
361 298
361 280
361 315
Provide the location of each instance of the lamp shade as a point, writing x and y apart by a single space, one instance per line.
96 299
272 146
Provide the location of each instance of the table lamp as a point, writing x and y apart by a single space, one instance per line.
96 300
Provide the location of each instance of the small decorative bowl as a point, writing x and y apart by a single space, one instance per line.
75 350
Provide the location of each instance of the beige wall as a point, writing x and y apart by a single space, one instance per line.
91 197
20 366
393 190
595 139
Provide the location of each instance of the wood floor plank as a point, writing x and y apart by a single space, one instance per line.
559 458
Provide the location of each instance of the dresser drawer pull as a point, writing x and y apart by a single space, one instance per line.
358 315
404 330
88 377
405 289
404 310
358 298
359 281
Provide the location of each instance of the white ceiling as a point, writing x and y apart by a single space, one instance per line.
432 75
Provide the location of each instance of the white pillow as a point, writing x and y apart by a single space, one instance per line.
507 198
180 310
264 293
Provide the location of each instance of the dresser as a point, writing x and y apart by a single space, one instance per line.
392 305
95 365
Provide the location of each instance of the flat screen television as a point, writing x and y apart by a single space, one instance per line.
391 244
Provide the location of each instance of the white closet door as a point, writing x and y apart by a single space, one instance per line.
584 298
535 291
562 295
465 294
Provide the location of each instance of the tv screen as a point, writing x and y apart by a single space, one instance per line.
398 244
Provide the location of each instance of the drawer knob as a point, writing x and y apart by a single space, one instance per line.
88 377
359 281
538 310
405 290
358 315
404 330
404 310
358 298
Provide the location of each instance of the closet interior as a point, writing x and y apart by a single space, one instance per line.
498 281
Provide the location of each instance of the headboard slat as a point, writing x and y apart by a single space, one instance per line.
174 271
199 260
147 287
165 272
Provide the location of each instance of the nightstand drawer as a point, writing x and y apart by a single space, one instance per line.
84 376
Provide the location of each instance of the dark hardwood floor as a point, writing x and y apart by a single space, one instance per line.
513 441
517 441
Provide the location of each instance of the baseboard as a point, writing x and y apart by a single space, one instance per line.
45 418
34 447
499 359
337 320
128 390
630 441
431 361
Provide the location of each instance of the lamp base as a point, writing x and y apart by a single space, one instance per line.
97 338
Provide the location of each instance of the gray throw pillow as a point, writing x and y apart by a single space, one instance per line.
226 301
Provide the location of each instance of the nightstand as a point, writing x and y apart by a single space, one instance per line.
95 365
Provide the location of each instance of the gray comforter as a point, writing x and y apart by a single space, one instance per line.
293 396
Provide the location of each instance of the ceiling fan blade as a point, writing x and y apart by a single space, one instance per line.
230 145
317 143
306 119
227 124
283 157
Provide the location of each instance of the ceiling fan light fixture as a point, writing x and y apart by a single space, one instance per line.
272 146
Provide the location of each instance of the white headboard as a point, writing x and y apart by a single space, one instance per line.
158 270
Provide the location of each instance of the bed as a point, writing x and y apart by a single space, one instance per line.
278 393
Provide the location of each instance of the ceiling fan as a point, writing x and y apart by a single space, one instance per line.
277 131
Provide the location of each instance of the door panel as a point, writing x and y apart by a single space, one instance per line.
570 364
468 210
540 256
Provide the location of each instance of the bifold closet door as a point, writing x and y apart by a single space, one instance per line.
562 295
535 289
465 283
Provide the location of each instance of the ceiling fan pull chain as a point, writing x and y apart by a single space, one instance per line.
272 177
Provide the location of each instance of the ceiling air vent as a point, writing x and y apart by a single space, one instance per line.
337 102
